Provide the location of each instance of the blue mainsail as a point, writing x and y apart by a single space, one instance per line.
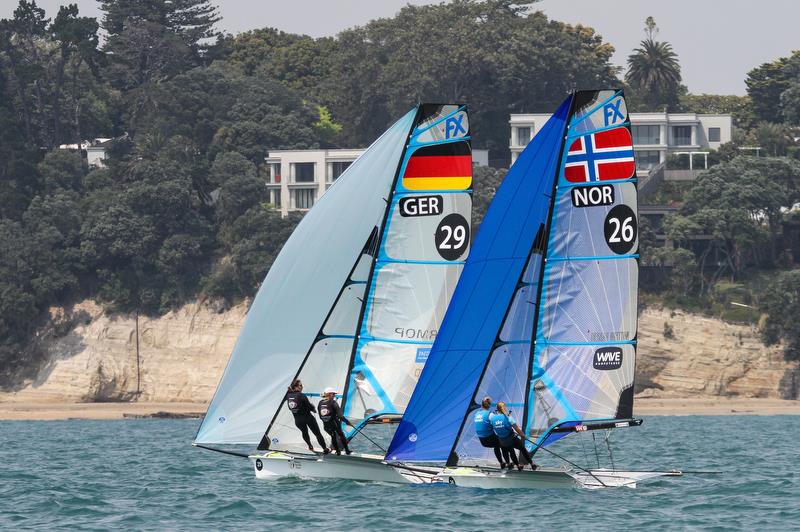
544 316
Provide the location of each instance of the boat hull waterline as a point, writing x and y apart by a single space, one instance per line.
372 468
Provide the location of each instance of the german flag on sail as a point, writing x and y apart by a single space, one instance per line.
440 167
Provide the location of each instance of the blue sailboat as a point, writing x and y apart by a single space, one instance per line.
545 313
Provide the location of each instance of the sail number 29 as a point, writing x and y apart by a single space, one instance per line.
452 236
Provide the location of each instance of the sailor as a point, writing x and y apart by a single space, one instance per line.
487 437
301 409
331 415
509 434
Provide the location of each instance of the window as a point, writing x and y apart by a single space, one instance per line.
682 135
273 173
523 136
337 169
303 198
274 196
647 160
713 134
646 135
303 172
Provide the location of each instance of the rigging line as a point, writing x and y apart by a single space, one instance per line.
596 454
232 453
608 446
573 464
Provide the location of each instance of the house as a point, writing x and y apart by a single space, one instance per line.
655 135
296 179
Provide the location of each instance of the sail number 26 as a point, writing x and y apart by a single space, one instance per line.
620 229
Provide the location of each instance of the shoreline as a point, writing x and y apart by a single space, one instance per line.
645 406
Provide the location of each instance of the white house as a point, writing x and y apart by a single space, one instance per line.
655 135
295 179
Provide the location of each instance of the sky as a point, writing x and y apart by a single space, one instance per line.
717 41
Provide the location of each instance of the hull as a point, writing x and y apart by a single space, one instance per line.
544 478
372 468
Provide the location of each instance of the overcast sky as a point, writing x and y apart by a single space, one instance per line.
717 41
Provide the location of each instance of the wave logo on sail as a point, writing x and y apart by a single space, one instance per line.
603 156
607 358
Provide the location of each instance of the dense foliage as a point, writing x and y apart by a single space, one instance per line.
180 210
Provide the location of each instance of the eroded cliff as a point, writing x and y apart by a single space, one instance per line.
181 356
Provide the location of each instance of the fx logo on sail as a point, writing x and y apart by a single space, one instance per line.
612 112
453 126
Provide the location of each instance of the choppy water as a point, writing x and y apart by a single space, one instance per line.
144 475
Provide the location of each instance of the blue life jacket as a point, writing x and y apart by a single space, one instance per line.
483 427
501 425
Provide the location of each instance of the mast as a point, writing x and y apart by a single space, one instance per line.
540 281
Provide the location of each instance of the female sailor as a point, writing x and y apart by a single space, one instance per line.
302 409
505 427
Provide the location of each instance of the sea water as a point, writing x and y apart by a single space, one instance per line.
144 475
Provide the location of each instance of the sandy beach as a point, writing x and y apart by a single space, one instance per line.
693 406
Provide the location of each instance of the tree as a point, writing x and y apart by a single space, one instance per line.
654 71
767 83
192 21
781 302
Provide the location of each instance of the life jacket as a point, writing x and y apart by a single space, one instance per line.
502 425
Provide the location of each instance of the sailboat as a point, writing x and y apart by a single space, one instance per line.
545 313
354 300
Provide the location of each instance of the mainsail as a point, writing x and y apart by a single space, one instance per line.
544 316
356 274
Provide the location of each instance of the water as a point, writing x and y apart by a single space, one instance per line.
143 475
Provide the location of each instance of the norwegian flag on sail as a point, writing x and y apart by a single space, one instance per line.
601 156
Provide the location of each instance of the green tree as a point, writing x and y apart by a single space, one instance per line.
781 302
767 83
192 21
654 71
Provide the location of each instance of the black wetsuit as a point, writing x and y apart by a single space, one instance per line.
515 442
302 409
331 415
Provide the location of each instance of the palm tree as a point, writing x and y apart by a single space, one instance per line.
654 70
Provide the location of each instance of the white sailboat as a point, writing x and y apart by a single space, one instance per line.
354 301
545 313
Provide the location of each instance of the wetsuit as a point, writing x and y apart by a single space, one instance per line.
331 415
487 437
502 425
302 408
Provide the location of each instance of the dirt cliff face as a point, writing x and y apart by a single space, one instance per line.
182 356
684 355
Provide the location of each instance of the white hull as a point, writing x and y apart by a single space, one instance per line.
544 478
274 464
372 468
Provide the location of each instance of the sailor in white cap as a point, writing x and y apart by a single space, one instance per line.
331 415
